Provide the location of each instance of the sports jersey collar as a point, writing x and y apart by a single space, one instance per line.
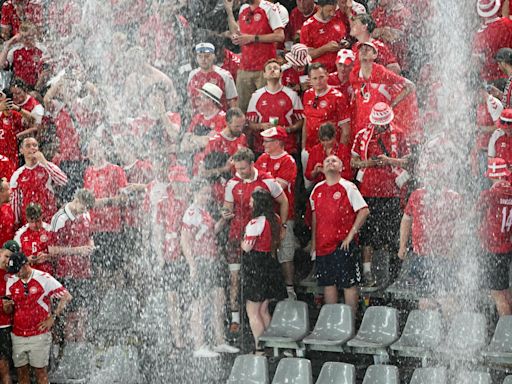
227 138
69 213
323 93
320 20
273 93
278 156
251 180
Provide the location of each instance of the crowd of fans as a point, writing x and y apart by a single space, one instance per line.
135 143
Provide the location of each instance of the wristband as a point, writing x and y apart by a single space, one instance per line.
256 38
284 225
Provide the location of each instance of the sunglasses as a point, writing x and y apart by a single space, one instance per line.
25 288
249 17
315 102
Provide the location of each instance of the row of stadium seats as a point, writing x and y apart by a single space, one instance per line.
379 333
254 369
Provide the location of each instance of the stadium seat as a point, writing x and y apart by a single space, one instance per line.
249 369
466 337
381 374
337 373
120 365
75 365
471 377
508 380
291 370
117 311
429 376
500 349
289 325
379 329
334 327
421 334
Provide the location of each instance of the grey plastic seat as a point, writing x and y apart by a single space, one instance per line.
337 373
422 332
466 337
120 365
334 327
292 370
117 311
289 325
472 377
75 365
429 376
508 380
378 330
249 369
500 348
381 374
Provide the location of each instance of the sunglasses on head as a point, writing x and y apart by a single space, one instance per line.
25 288
315 102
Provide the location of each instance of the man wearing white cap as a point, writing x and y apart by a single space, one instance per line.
208 72
500 143
379 153
274 105
341 78
278 162
495 207
494 33
324 35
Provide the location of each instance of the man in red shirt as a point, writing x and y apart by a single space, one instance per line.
259 27
379 153
339 211
15 11
324 35
7 227
27 105
495 208
504 60
274 105
500 142
281 165
34 182
7 250
10 129
303 11
208 72
31 292
341 78
237 210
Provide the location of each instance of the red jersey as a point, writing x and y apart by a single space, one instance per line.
221 143
297 20
7 167
331 106
218 76
170 218
33 12
317 155
500 145
231 62
68 138
368 92
259 233
379 181
139 172
105 181
346 88
32 301
34 107
291 77
432 221
239 191
7 228
215 123
495 205
5 319
494 34
27 63
284 104
316 33
10 125
335 207
384 56
35 185
72 231
34 242
201 226
283 169
263 20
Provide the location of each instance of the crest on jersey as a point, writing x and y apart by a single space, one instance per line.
323 104
337 27
257 17
321 31
282 102
33 290
43 238
336 195
277 166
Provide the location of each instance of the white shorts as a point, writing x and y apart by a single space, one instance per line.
286 250
33 350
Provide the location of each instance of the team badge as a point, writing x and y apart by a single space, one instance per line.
337 27
503 145
33 290
336 196
6 121
43 238
277 166
282 102
213 81
323 104
257 17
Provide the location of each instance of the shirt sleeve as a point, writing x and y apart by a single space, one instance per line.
274 18
274 188
354 196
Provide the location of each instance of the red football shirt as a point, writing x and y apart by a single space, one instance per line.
32 304
259 233
335 207
317 155
231 62
316 33
216 122
220 143
331 106
68 138
27 63
282 168
218 76
500 145
495 205
170 217
263 20
105 181
7 228
33 13
297 20
5 319
33 242
10 125
284 104
433 217
201 226
384 56
7 167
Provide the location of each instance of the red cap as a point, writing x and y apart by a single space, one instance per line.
277 133
178 173
345 57
505 120
497 168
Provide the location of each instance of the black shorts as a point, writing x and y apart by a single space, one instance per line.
497 271
340 268
434 275
5 343
382 227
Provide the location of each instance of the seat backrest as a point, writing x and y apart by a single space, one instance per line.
337 373
337 318
423 328
381 374
250 369
502 337
292 370
290 314
379 323
429 376
472 377
467 331
508 380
